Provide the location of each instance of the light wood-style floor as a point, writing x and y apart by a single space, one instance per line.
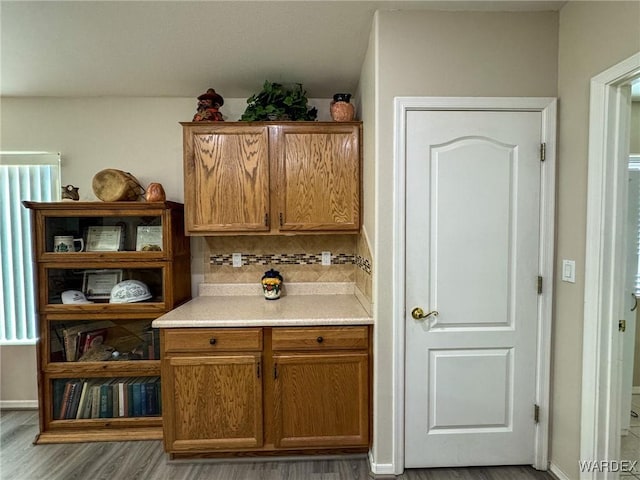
21 460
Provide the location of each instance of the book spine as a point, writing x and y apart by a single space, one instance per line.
143 397
95 402
65 401
74 398
82 401
58 395
152 404
137 406
86 412
121 396
104 400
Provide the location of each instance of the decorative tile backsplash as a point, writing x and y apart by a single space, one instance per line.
292 259
298 258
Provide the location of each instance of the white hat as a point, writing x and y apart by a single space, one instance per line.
74 297
130 291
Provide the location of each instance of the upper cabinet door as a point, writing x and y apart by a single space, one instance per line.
226 175
318 177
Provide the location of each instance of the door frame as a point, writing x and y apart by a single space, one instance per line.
547 106
608 126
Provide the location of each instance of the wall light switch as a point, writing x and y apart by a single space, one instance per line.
569 271
237 259
326 258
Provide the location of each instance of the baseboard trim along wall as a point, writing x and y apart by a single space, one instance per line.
18 404
380 469
557 473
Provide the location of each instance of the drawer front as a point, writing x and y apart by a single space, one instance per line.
212 340
320 338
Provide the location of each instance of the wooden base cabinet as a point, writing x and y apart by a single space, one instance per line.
212 389
265 391
321 400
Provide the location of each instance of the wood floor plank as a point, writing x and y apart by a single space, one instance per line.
20 459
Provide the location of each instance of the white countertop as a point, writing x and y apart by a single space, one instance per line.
243 305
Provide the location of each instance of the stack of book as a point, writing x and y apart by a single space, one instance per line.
107 398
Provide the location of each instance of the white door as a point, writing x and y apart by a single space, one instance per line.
628 306
472 249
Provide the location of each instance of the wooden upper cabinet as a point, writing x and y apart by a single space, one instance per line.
272 178
318 177
226 178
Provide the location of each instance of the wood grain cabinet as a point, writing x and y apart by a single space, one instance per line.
321 387
213 389
96 358
262 391
270 178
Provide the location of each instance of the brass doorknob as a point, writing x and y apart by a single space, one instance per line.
419 314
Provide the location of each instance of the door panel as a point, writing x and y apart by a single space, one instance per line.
473 197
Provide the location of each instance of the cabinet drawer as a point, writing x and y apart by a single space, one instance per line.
320 338
212 339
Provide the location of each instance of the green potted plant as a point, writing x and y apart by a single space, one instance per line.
279 102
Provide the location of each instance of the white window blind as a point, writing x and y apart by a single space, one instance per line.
31 176
634 215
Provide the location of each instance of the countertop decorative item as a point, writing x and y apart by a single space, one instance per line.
279 102
208 105
272 284
341 109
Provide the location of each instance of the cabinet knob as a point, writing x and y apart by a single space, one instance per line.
320 339
212 341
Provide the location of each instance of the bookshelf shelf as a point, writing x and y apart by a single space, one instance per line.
99 362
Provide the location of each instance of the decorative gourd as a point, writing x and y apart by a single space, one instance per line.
155 193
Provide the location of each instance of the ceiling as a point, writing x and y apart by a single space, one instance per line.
180 48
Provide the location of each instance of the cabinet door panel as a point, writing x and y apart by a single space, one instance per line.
213 403
226 179
319 178
321 400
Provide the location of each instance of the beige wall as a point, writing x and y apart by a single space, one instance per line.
439 53
18 380
593 37
138 135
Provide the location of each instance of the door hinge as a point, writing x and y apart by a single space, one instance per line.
536 413
543 152
539 285
622 325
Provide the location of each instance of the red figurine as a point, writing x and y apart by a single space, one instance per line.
208 105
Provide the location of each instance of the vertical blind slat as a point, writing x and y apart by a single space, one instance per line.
17 294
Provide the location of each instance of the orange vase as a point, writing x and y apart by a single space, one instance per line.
341 110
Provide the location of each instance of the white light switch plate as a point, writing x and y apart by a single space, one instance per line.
236 258
569 271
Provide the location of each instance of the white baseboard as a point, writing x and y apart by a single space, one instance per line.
376 469
556 472
635 390
18 404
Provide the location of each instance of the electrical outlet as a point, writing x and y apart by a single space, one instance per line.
237 259
326 258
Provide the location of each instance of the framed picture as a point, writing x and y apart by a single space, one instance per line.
104 239
149 238
97 284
